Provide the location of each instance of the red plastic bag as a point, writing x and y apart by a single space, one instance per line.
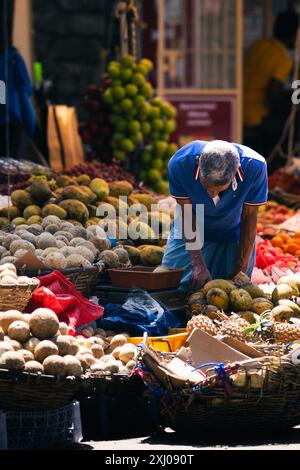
61 296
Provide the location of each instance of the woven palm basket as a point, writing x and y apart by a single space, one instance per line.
15 297
218 404
27 391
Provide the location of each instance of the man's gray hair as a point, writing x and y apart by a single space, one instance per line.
219 162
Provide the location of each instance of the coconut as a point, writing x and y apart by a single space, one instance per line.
100 332
112 366
15 344
98 367
82 361
29 237
78 232
118 340
12 360
28 356
77 241
130 365
35 229
67 345
20 253
85 252
21 245
43 323
51 220
44 349
45 240
73 366
9 239
115 353
5 346
54 365
127 353
77 261
31 344
6 318
90 359
8 260
123 256
97 351
63 328
56 261
34 367
19 330
52 228
110 259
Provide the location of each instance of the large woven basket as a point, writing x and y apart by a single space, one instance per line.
218 405
26 391
15 297
84 279
111 384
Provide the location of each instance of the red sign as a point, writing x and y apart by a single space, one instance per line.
204 118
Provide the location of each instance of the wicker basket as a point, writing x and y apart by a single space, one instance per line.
15 297
84 279
111 384
26 391
218 405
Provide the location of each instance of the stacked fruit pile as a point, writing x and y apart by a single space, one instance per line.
286 182
272 214
38 343
139 119
286 243
267 256
245 313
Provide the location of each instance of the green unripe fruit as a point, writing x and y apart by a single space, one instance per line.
126 104
138 79
131 90
127 145
133 127
118 92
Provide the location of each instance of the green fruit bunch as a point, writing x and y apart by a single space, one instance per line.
139 119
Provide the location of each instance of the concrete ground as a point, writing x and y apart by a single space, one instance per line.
169 440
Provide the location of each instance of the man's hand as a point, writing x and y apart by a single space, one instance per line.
200 275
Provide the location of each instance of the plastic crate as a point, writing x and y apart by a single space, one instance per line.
40 429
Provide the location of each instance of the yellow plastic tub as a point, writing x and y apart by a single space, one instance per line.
169 343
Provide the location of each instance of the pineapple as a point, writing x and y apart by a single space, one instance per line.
235 327
202 323
286 332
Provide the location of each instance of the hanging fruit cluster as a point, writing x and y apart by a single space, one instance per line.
140 121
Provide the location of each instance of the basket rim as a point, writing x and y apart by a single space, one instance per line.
21 287
88 269
22 376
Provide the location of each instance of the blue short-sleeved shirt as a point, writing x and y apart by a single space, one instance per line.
221 221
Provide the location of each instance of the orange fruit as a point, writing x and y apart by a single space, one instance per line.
297 235
277 242
297 253
284 236
292 248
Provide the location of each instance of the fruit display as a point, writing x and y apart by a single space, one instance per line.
82 201
285 181
9 277
287 243
247 313
272 213
268 256
38 343
141 122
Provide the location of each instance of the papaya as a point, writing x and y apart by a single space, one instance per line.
218 298
21 199
34 219
105 210
79 193
10 212
292 282
282 313
141 231
3 221
100 188
283 291
134 254
240 299
40 192
120 188
63 181
18 221
83 180
30 211
146 200
197 302
76 210
248 316
118 204
252 289
261 305
152 256
226 286
292 305
54 209
159 221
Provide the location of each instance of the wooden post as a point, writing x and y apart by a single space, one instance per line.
22 39
239 69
